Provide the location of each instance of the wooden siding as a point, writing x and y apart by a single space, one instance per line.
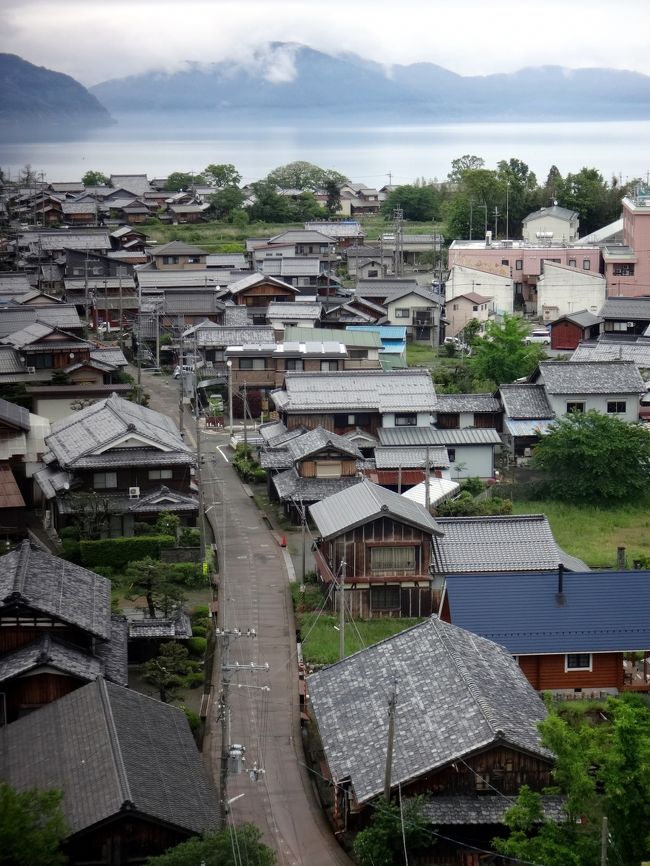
566 335
30 692
127 838
307 468
139 477
326 421
546 672
12 637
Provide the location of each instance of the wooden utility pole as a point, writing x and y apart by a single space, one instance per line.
604 839
427 489
341 594
392 704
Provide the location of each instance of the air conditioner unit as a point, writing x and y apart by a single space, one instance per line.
31 370
528 452
134 492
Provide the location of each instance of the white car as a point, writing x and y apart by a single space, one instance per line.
539 335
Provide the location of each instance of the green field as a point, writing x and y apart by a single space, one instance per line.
593 533
321 643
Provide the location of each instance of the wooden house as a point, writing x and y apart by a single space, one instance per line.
570 330
132 778
569 632
464 729
380 545
57 632
257 291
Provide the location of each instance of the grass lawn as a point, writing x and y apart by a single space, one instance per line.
216 236
593 533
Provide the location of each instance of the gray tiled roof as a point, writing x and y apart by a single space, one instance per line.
467 403
276 458
251 280
10 361
411 458
447 810
358 339
29 575
411 436
457 693
318 439
295 310
301 236
366 502
497 544
75 239
114 652
397 390
609 350
221 336
48 651
177 248
525 401
110 749
177 627
626 308
14 415
289 485
554 211
591 377
583 318
80 435
16 318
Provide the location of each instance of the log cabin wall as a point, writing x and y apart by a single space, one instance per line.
547 672
30 692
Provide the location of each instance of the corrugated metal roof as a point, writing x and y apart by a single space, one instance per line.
527 426
411 458
412 436
363 503
347 336
598 611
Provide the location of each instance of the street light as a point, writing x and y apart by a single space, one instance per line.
229 366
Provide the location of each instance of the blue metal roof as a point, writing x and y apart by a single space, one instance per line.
598 611
386 332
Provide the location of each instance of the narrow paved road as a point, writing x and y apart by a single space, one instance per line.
254 594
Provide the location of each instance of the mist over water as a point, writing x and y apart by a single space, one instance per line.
365 152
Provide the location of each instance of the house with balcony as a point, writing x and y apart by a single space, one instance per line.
365 262
419 312
467 738
256 291
381 546
367 399
58 633
125 459
569 633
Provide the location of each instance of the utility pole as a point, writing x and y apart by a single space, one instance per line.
180 389
604 839
496 222
224 636
119 333
427 489
398 216
139 343
341 594
392 704
245 404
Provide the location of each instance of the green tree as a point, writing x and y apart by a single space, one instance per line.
32 827
588 193
419 203
226 201
269 205
152 579
222 175
502 356
167 671
333 191
219 849
589 456
305 207
303 175
95 178
182 181
518 189
459 166
382 843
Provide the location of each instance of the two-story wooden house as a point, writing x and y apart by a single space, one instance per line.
380 546
57 632
127 457
464 724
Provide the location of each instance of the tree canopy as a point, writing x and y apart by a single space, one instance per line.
589 456
167 671
95 178
381 842
420 203
180 181
502 356
221 175
303 175
219 849
32 827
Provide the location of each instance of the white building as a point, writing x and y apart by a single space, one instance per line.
551 224
498 286
564 289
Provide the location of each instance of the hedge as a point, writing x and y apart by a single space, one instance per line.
197 646
119 552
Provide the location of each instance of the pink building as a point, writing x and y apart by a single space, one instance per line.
524 260
627 266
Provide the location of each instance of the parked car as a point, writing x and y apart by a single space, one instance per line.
539 335
186 368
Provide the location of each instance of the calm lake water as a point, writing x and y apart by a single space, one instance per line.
363 153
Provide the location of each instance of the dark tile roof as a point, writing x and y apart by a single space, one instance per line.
552 211
47 651
583 318
467 403
410 458
525 401
626 308
483 808
457 693
14 415
591 377
114 652
111 749
177 627
365 502
289 485
610 350
30 576
177 248
597 611
319 439
276 458
494 544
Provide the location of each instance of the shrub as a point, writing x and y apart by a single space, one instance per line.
201 610
104 570
199 631
188 573
69 533
141 528
193 680
201 622
121 551
465 506
71 550
473 486
192 718
197 646
189 537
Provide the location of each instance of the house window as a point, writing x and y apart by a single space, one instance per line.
384 598
392 559
374 273
328 469
41 362
475 308
105 480
623 270
616 407
294 364
578 662
586 265
170 260
252 363
574 407
406 419
159 474
402 312
358 354
572 263
193 260
329 366
519 264
505 262
451 453
455 307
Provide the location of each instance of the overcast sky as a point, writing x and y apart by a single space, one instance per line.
98 39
